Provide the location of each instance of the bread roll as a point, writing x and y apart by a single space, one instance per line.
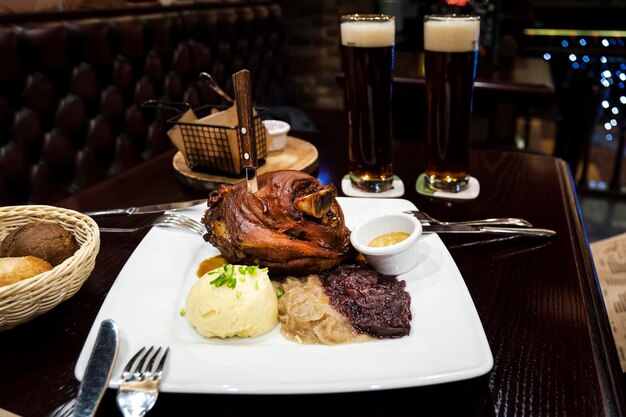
48 241
15 269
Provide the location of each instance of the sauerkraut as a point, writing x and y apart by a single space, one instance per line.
307 317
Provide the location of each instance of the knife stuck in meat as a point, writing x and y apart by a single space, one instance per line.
243 102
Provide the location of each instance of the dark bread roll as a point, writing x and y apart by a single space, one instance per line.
48 241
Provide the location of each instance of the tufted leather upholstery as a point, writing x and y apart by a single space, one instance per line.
71 90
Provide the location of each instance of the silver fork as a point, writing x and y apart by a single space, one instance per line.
139 387
499 221
176 220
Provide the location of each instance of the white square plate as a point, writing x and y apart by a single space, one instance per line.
447 341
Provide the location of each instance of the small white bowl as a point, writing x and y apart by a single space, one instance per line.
278 130
395 259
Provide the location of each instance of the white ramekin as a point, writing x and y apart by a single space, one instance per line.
388 260
278 130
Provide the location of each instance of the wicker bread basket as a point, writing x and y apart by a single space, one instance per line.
26 299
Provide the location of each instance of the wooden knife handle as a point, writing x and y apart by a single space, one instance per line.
243 102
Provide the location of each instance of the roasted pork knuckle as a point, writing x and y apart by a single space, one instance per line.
293 224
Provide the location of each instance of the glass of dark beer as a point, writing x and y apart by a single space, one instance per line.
367 47
450 56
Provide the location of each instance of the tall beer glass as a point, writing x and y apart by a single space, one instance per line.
451 52
367 46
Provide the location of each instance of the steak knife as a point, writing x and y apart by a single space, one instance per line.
521 231
243 101
153 208
98 370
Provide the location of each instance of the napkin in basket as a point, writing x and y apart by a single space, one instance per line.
226 118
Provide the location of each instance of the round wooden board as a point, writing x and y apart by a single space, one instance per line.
298 154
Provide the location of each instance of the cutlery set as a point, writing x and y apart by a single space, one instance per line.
139 383
170 219
498 226
153 208
514 226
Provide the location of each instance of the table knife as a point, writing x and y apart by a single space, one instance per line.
519 231
98 370
243 101
153 208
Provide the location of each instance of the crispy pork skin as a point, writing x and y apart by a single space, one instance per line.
277 227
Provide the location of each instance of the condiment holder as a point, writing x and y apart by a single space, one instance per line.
396 258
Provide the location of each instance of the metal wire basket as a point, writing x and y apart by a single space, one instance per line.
209 148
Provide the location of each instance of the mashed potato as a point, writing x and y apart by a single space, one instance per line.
233 300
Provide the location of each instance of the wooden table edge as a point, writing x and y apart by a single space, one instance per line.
600 329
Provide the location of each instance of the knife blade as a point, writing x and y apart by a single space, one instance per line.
98 370
243 101
152 208
521 231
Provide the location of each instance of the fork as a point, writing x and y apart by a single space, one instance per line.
139 386
165 220
425 218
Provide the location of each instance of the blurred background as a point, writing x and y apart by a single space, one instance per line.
575 46
581 42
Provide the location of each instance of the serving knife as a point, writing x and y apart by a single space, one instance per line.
243 101
98 370
519 231
153 208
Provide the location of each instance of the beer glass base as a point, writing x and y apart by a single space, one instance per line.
448 184
371 185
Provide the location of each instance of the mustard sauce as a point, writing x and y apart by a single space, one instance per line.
210 264
388 239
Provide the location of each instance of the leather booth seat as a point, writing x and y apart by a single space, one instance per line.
72 87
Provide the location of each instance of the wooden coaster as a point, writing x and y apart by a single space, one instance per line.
298 154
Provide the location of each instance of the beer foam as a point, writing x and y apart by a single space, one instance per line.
447 35
368 34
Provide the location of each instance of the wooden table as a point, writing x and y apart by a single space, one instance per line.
538 301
